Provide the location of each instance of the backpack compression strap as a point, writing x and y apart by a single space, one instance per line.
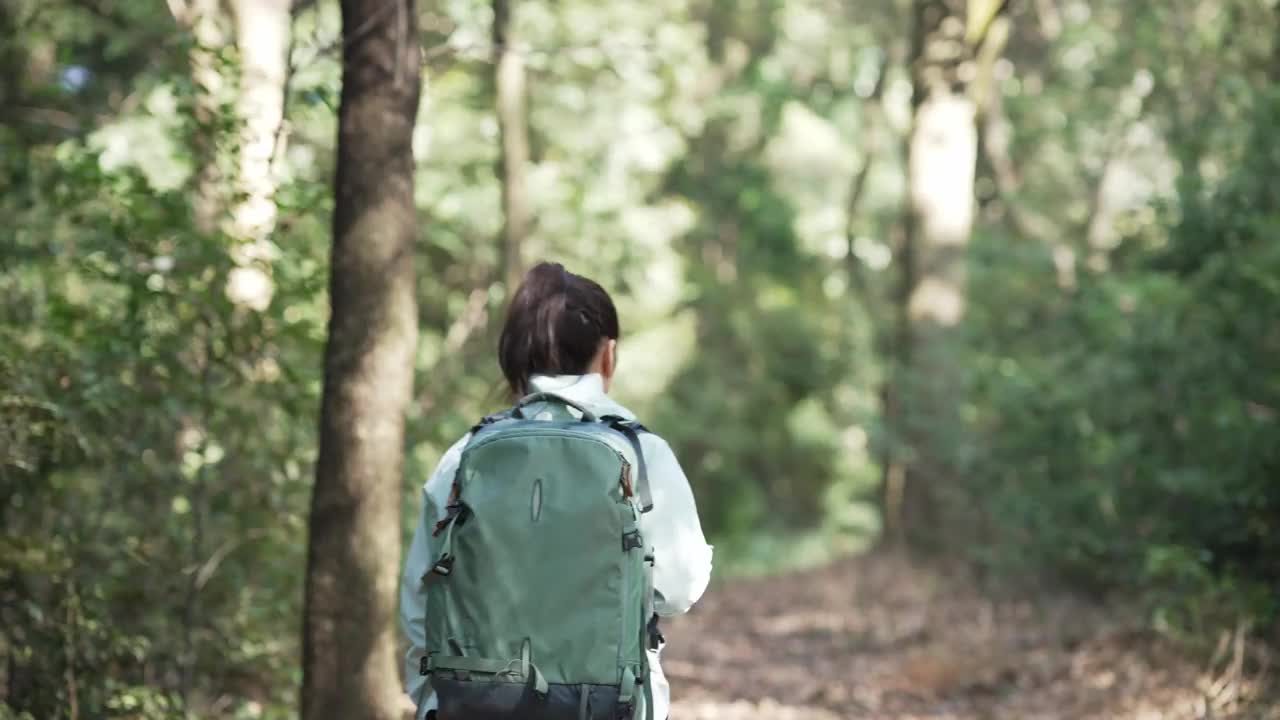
631 430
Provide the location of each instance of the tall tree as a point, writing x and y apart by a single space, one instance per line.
350 670
205 22
941 163
509 92
261 30
262 37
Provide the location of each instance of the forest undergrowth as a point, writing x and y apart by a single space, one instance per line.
880 636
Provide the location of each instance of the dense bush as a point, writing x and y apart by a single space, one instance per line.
1129 430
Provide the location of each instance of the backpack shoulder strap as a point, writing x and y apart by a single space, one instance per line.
631 430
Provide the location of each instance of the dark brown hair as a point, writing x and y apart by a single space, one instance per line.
555 324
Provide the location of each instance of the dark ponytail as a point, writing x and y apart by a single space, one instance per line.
555 325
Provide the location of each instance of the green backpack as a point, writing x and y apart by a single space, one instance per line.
540 604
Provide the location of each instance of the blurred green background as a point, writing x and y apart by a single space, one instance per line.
736 173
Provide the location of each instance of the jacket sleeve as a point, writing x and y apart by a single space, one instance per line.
435 496
682 557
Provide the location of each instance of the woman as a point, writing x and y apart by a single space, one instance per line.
561 336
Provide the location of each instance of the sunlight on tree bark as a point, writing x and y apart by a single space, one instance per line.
262 36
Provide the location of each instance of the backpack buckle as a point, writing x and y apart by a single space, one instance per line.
424 664
452 511
631 540
443 566
656 639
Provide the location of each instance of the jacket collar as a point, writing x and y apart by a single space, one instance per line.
586 390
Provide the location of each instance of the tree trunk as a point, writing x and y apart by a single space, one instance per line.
13 59
203 19
513 131
262 35
350 667
941 162
29 60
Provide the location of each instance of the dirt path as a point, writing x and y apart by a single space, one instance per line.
877 638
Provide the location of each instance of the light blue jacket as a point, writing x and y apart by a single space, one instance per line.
683 557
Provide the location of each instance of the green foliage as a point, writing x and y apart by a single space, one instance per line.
157 440
1129 433
122 368
160 449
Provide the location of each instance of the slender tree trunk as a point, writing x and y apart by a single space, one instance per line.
204 20
513 130
262 36
350 668
941 161
13 59
1273 67
29 61
261 31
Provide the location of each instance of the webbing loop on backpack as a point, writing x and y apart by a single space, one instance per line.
631 539
470 664
627 693
631 430
530 671
548 397
444 561
452 510
491 419
656 639
521 667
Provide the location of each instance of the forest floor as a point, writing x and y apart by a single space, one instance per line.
879 637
